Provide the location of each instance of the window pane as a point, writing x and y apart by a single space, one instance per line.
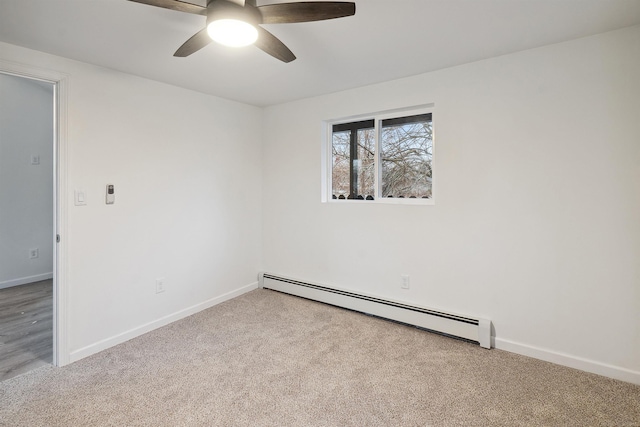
406 150
365 165
353 160
340 165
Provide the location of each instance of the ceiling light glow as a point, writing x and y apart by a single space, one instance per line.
232 32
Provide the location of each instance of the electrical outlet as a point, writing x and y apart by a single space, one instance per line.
34 253
160 285
405 281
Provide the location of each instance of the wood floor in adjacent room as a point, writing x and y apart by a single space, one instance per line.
26 328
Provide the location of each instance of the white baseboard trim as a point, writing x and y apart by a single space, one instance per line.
570 361
25 280
163 321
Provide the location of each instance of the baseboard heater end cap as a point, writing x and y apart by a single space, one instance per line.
484 333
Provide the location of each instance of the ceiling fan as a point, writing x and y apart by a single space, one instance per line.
237 22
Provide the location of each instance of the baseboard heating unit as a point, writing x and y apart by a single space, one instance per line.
472 329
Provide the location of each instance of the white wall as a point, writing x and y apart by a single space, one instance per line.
535 223
26 190
186 169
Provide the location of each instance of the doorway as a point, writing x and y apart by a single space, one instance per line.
27 223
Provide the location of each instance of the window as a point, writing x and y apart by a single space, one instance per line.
353 151
384 158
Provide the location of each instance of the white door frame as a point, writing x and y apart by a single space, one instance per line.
60 83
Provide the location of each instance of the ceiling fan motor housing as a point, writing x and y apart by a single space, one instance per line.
223 9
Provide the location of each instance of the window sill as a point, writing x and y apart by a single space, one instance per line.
385 201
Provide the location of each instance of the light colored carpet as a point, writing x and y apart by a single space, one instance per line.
268 359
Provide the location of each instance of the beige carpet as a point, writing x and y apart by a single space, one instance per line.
268 359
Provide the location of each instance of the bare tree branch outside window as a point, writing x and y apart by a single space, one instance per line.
406 153
341 163
365 166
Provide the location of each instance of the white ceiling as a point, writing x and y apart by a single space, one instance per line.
385 40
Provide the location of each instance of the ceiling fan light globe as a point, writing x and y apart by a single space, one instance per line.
232 32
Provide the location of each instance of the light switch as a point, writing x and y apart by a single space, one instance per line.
80 198
35 159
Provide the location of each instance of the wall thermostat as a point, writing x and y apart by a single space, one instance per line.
111 196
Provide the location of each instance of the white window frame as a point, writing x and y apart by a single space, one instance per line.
327 156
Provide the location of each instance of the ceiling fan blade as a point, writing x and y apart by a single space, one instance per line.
273 46
175 5
288 13
194 44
